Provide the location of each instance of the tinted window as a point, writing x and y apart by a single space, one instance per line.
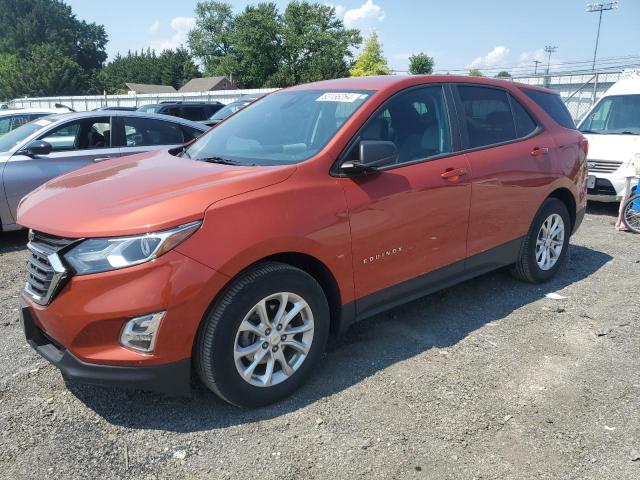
173 111
615 114
194 113
190 133
19 120
553 105
525 124
416 121
5 125
144 132
87 134
286 127
487 115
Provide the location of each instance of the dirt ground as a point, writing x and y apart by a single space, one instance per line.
488 379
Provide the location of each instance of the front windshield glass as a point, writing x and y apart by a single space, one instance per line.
228 110
14 137
283 128
618 114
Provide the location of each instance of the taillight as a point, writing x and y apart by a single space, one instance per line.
584 145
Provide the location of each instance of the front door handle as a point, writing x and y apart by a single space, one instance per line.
101 159
539 151
453 173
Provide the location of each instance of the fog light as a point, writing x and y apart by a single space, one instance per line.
140 333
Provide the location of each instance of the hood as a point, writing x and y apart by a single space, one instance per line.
138 194
620 148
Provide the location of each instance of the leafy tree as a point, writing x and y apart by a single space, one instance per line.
371 61
211 40
25 24
171 67
47 71
420 64
503 74
263 47
475 73
316 46
9 67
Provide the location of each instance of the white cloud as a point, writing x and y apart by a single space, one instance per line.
155 26
180 26
495 57
365 13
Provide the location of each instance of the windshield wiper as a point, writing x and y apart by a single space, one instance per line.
627 132
224 161
590 131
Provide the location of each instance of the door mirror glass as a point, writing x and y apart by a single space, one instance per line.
37 147
373 154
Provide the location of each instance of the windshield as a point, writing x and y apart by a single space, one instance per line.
14 137
618 114
283 128
229 109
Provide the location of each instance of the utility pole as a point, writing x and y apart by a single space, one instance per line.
535 67
599 7
549 49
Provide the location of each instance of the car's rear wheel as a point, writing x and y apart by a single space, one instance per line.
263 336
545 247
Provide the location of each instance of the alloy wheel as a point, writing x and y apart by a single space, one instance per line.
550 242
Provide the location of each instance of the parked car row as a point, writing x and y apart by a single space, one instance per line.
10 119
237 255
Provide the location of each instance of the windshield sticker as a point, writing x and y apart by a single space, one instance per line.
42 123
340 97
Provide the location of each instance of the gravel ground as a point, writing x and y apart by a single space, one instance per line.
488 379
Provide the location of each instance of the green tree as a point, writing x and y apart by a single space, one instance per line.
316 46
371 61
176 67
211 40
263 47
25 24
503 74
47 71
9 67
475 73
421 64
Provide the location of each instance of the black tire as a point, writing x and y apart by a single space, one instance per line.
527 268
214 349
631 222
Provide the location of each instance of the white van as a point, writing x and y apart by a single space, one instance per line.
612 127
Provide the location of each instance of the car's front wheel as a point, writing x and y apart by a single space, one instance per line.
263 336
545 247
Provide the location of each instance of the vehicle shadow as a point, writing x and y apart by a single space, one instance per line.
604 209
368 347
13 241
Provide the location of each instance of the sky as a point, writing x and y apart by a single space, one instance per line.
459 34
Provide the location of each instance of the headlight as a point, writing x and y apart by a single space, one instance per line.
97 255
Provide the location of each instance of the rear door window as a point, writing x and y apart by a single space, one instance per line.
486 115
194 113
146 132
553 105
525 124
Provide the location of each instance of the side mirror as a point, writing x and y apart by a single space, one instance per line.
37 147
373 154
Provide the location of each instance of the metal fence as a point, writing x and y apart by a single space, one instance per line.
579 91
91 102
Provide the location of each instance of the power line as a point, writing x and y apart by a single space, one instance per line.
549 49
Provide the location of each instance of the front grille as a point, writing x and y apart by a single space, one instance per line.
603 187
603 166
45 279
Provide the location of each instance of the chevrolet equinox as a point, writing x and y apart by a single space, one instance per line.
237 256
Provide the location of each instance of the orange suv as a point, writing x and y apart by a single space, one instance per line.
237 256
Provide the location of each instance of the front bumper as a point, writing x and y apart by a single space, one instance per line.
79 330
170 379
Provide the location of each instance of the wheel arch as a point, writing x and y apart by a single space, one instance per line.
566 197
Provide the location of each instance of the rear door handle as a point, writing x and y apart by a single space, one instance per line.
453 173
539 151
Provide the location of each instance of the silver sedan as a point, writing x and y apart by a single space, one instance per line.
50 146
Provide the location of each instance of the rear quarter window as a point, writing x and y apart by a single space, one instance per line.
553 105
